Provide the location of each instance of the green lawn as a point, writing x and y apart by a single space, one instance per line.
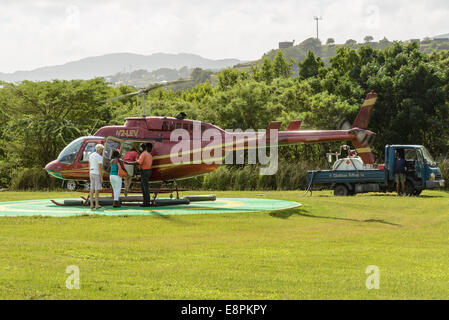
318 251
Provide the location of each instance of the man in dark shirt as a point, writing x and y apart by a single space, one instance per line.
399 172
145 162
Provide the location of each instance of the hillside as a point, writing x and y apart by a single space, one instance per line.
327 51
445 36
110 64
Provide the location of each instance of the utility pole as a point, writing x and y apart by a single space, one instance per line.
317 19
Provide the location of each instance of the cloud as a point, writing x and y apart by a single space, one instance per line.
46 32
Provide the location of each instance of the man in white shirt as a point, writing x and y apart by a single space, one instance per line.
96 175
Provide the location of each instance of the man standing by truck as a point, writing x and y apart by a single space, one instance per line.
400 168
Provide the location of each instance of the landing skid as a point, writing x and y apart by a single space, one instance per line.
135 201
58 203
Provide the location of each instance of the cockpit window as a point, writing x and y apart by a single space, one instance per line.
69 153
88 149
165 126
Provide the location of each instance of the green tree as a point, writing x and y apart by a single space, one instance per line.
368 39
351 43
48 115
267 71
311 44
330 41
281 67
227 78
413 104
384 43
310 66
199 75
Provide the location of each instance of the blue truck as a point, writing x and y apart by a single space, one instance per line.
422 173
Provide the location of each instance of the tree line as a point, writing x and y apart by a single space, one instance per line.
38 119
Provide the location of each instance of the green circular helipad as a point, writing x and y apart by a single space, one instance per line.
222 205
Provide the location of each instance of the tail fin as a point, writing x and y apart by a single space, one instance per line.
362 119
361 142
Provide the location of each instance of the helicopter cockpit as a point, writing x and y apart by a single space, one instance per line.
70 152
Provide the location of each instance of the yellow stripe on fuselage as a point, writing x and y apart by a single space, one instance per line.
363 150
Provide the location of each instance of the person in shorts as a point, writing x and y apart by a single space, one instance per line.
400 168
96 175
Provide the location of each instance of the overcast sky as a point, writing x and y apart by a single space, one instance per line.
35 33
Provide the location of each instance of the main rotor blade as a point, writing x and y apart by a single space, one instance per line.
164 84
149 88
123 96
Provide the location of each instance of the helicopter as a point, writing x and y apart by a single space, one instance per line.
72 163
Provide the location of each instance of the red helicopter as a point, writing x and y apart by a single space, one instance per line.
72 163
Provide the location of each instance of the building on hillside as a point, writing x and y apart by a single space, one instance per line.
286 44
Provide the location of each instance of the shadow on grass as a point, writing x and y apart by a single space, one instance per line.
158 215
394 195
285 214
372 195
426 196
169 218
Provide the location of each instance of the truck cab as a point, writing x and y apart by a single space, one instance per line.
422 170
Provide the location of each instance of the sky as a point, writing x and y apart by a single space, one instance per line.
36 33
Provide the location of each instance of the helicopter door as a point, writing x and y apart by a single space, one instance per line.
110 145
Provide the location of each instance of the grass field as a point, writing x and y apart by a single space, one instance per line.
318 251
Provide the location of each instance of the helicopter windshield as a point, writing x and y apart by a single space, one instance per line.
68 154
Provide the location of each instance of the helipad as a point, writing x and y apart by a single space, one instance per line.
222 205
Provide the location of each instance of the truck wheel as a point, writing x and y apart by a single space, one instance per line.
341 190
409 188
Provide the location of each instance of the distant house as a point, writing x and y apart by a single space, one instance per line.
286 44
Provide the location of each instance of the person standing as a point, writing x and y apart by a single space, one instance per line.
400 167
130 160
96 175
114 178
145 162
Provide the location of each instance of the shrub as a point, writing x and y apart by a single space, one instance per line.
444 167
5 174
32 179
290 176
